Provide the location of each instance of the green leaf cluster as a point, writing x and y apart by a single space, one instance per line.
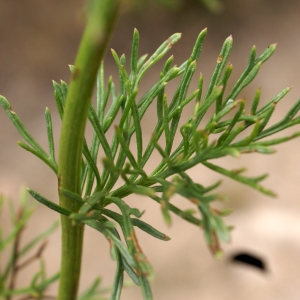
18 262
37 289
230 130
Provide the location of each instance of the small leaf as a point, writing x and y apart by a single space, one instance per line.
50 135
134 52
118 280
158 54
255 102
198 45
20 127
139 223
242 179
47 161
221 62
92 291
48 203
141 61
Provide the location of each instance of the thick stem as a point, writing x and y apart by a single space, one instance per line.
91 50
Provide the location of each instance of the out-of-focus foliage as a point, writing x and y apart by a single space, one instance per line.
214 6
16 264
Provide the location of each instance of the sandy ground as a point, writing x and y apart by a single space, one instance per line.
38 41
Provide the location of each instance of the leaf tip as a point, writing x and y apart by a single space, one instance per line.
230 38
166 238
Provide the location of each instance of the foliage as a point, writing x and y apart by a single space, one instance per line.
18 262
37 289
229 130
215 6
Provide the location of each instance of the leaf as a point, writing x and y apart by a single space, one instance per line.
237 177
50 136
158 54
48 203
20 127
118 280
134 54
139 223
221 62
92 291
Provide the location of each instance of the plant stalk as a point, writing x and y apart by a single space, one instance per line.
102 16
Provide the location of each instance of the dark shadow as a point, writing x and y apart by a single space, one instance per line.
249 259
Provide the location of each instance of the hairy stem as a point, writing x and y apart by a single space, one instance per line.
95 38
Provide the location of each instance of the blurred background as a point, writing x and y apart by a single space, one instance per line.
38 39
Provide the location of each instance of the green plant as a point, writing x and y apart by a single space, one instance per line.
18 262
87 192
214 6
37 289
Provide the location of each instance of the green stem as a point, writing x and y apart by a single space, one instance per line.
91 50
